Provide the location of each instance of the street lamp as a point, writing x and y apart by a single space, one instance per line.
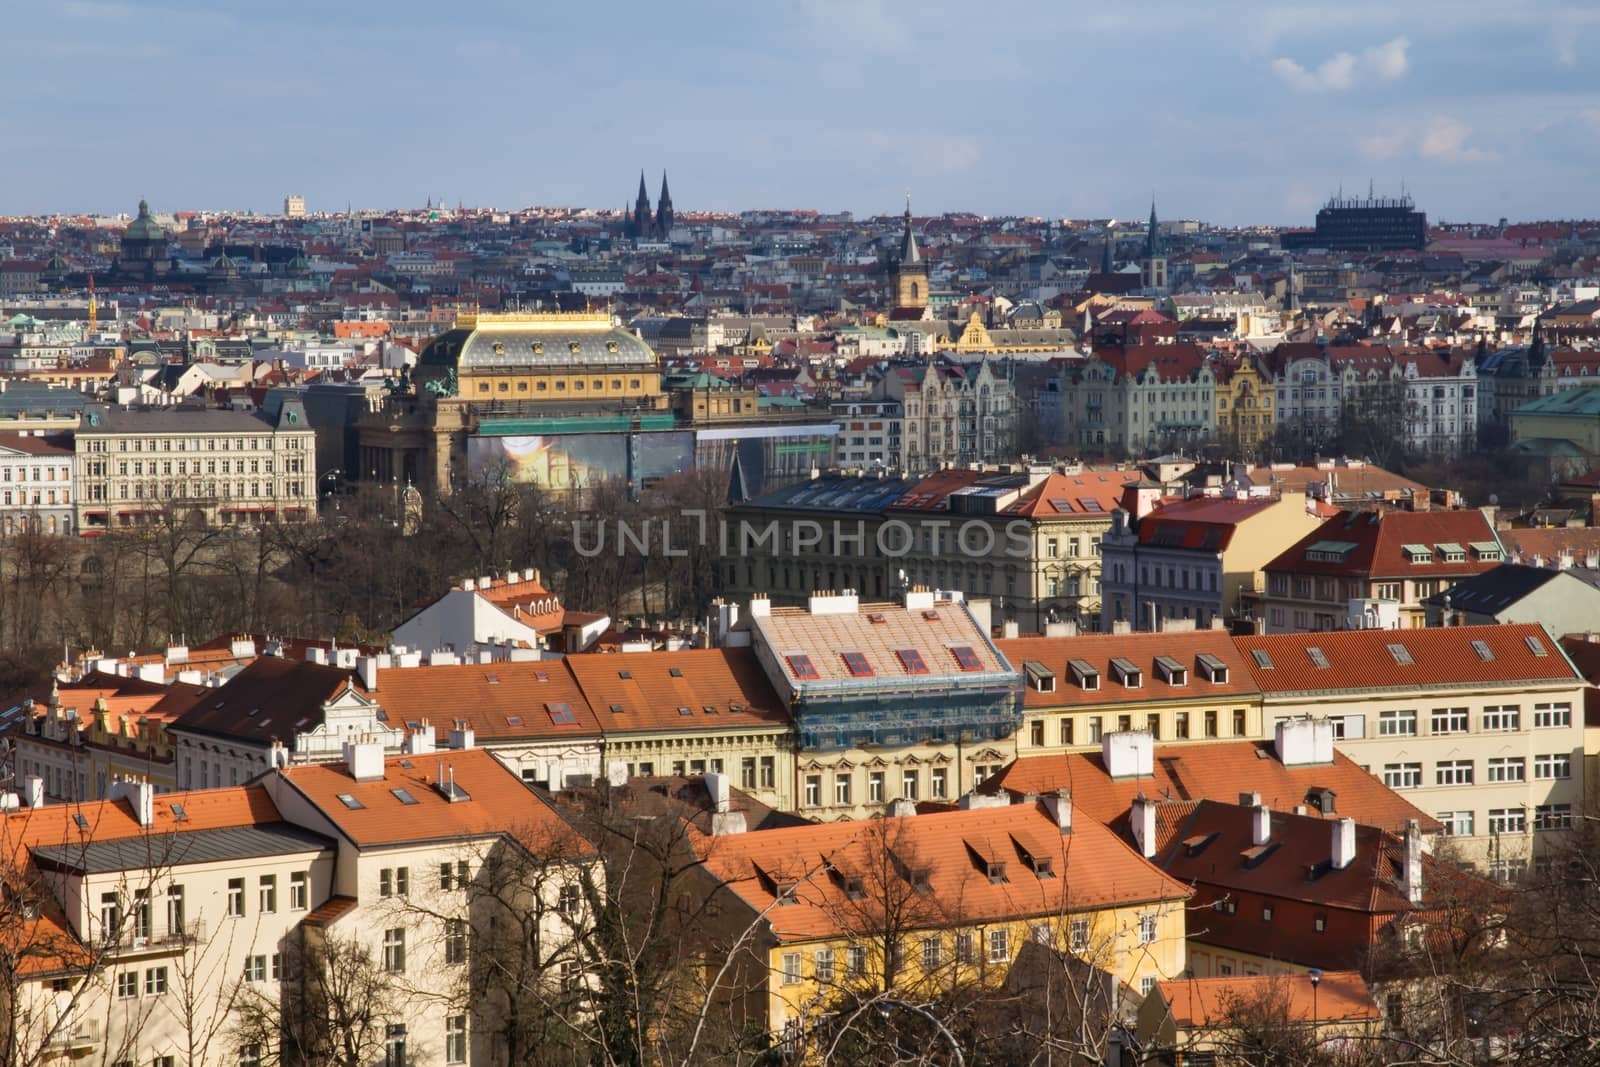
1315 974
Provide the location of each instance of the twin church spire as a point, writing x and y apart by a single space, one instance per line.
639 223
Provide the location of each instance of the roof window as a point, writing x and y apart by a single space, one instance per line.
800 666
349 801
1401 654
911 660
1172 672
403 796
1084 673
1127 673
1483 650
856 663
561 714
1536 646
1262 657
1212 668
1318 659
966 659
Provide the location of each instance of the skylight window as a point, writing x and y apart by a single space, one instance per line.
492 679
1263 660
513 720
1483 650
800 666
931 615
876 617
675 672
625 675
966 659
911 660
856 664
561 714
349 801
1401 654
81 823
1536 646
1318 659
403 796
616 709
178 813
685 709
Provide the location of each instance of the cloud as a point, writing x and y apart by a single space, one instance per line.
1344 70
1445 138
1384 145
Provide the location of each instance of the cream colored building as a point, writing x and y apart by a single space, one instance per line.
1481 726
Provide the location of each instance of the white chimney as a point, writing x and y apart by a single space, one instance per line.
1260 824
1142 817
441 658
727 822
616 774
1059 805
717 785
33 791
1413 862
468 585
760 606
243 648
140 797
278 756
318 655
1128 754
367 671
486 581
364 760
975 801
919 599
462 735
1344 843
1302 742
419 742
844 602
902 808
346 658
1249 800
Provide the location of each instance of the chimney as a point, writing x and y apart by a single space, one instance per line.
1300 742
461 735
1344 843
717 785
1142 817
974 801
1412 883
33 791
760 606
1059 806
317 655
1011 629
139 795
919 598
1260 824
902 808
278 756
367 668
727 822
419 742
364 760
1249 800
1128 754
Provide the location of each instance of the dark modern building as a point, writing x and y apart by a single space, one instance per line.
1370 224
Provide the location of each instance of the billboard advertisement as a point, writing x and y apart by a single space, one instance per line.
661 455
560 461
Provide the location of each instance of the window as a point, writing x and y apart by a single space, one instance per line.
1507 769
966 659
1456 823
791 968
999 945
822 960
127 985
1453 772
939 788
965 948
277 966
802 668
1095 729
175 911
1552 765
1078 935
250 1054
1506 717
163 1061
1400 654
1402 775
841 789
813 790
747 772
1211 724
1147 928
1397 724
155 981
568 900
1319 923
110 918
1238 722
141 914
856 664
1064 731
1449 721
1552 817
855 960
269 894
255 968
769 772
394 951
1147 985
297 891
455 1039
394 1047
1180 725
1507 820
1548 715
455 941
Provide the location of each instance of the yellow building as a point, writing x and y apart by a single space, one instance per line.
1244 404
929 903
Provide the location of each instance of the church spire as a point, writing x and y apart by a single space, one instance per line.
1152 234
664 210
908 241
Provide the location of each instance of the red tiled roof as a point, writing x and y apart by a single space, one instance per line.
497 700
1195 1003
1089 494
652 696
1379 537
1361 659
1141 649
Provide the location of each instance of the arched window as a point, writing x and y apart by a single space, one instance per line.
916 291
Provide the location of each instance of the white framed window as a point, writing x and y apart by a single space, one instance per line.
813 790
155 981
269 894
1078 935
1397 724
1502 718
1552 765
931 953
939 787
455 1039
965 948
1147 985
999 945
841 789
1450 721
1507 820
1453 772
127 985
250 1054
1546 716
1552 817
297 891
1402 775
855 960
255 968
1456 823
1507 769
822 960
791 968
1147 928
394 950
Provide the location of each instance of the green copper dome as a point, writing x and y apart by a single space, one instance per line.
144 228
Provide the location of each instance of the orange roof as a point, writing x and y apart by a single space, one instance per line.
1141 649
649 690
878 633
1220 771
498 700
1362 659
496 801
1202 1002
1091 494
949 852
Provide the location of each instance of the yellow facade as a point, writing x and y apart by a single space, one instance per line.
522 384
1245 410
1232 717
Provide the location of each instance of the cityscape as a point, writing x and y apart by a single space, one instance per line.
613 624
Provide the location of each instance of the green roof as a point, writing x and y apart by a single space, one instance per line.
574 424
1583 402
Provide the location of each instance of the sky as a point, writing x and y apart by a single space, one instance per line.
1232 113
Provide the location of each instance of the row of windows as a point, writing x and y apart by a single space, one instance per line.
50 474
394 1047
543 385
1494 719
877 782
1508 820
194 444
1498 770
1095 726
267 894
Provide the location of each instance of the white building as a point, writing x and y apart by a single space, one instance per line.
35 485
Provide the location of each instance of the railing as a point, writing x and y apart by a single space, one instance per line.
71 1033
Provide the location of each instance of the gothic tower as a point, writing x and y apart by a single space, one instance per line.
1153 265
910 272
664 211
640 226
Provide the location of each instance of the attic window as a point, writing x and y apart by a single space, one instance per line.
1487 551
997 872
1483 650
801 666
966 659
911 661
1536 646
1042 678
1128 674
81 823
625 675
1318 659
349 801
708 709
854 889
1452 552
561 714
675 672
263 724
1401 654
856 664
734 709
1213 668
253 712
1417 554
178 813
616 709
1172 672
1263 660
1087 677
537 347
403 796
784 891
1044 867
492 679
513 720
685 710
541 676
876 617
931 615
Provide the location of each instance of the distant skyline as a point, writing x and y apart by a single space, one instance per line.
1232 113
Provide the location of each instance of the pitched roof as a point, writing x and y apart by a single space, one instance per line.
946 854
264 702
1220 771
1378 543
1201 523
1057 655
1206 1002
499 701
1372 659
1088 493
631 691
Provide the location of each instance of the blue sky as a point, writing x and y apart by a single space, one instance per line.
1230 112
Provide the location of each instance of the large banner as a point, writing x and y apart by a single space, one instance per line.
563 461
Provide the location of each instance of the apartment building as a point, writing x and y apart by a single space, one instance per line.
1363 569
219 468
1481 726
1139 399
35 484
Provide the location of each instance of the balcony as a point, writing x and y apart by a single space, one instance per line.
73 1036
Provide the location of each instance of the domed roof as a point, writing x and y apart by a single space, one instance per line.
553 340
144 228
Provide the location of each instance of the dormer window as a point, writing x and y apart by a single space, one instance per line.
1040 677
1044 867
1172 672
1452 552
785 892
1417 554
1084 673
997 872
1212 669
1127 673
854 889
